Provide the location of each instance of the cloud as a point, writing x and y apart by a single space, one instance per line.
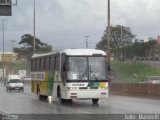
63 23
141 15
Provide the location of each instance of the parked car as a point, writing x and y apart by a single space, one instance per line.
152 79
157 59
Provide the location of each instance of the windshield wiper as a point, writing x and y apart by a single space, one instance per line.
95 78
85 73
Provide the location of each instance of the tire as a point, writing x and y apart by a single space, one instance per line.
95 101
40 97
61 100
44 97
22 89
70 101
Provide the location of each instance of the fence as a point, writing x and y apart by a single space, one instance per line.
136 89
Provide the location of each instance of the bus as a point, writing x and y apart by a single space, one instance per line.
70 74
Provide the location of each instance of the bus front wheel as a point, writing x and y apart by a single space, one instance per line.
95 101
60 97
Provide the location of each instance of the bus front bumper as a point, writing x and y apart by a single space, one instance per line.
91 94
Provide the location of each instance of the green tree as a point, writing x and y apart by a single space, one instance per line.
26 51
139 49
120 36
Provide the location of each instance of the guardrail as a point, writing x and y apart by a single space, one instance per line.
135 89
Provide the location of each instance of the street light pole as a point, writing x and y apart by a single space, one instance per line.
12 42
109 36
87 40
3 20
34 28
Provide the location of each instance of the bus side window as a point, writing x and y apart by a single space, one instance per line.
62 62
55 59
36 64
39 62
57 63
65 66
33 65
51 63
46 63
44 59
63 72
42 64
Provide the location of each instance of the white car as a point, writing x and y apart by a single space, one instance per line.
152 79
14 83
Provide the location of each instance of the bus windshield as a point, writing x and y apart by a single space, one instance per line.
87 68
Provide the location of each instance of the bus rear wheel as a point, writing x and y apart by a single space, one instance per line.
95 101
40 97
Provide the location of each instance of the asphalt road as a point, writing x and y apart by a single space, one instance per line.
27 103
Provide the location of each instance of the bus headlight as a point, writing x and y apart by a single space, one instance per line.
104 88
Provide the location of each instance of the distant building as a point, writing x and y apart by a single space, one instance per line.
6 57
146 40
158 41
11 57
142 40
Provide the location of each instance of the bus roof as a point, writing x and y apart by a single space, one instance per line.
41 55
81 52
74 52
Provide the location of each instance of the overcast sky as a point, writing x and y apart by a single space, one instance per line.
63 23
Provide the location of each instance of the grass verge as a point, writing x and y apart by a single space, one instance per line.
130 72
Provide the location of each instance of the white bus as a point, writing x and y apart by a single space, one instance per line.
70 74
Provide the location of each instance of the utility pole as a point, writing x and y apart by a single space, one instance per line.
34 28
121 43
121 35
3 20
87 40
109 36
12 43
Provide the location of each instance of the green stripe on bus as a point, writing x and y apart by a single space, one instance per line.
93 84
50 83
